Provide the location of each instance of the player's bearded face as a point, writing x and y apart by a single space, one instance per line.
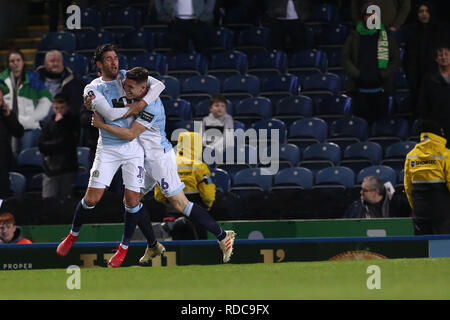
133 89
110 64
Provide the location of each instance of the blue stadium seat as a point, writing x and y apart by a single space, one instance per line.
276 87
30 157
288 156
400 179
268 125
347 131
290 109
228 63
197 88
219 39
252 109
332 35
320 155
414 135
324 12
334 55
395 154
17 183
333 108
221 179
237 158
402 104
201 109
162 41
174 128
89 40
251 179
155 63
238 125
293 178
35 184
334 178
307 62
132 42
307 131
267 63
173 87
79 64
60 40
91 18
385 173
239 87
322 84
252 40
185 65
83 157
389 131
122 18
360 155
123 61
400 80
178 109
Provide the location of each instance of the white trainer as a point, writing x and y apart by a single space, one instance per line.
227 245
150 253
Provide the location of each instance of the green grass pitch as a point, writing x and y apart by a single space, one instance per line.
399 279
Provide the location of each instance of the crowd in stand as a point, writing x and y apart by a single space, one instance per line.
44 107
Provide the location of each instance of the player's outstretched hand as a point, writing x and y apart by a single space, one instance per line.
97 120
87 102
135 108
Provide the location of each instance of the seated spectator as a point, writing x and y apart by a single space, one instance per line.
393 13
219 119
188 19
196 177
434 96
9 126
58 143
371 73
60 79
287 18
27 97
9 232
378 200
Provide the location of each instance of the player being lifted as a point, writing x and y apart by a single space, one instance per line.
112 153
160 161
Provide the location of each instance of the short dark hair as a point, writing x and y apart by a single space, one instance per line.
61 98
218 98
431 126
101 49
138 74
440 46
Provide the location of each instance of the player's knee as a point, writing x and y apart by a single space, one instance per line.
91 200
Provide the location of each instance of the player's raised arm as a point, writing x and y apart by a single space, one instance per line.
128 134
94 100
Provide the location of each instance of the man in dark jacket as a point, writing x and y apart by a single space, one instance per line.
287 19
370 58
393 12
60 79
58 143
9 126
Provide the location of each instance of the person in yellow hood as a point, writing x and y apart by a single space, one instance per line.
427 181
194 173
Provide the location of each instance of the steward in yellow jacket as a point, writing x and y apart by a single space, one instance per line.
427 181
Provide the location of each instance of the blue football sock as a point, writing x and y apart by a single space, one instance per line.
81 211
145 225
131 218
202 216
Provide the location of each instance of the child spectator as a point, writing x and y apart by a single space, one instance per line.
218 119
9 232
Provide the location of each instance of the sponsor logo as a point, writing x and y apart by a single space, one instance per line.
91 95
95 174
147 116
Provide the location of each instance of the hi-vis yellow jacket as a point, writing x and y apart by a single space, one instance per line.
192 171
427 163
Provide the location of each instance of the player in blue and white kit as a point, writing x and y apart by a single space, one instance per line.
160 161
108 98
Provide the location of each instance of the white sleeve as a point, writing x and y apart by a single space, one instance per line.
155 89
100 105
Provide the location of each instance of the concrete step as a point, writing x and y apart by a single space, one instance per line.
32 31
23 43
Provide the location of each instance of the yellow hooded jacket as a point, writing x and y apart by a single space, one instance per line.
192 171
428 163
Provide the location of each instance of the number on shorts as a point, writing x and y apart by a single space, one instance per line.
164 185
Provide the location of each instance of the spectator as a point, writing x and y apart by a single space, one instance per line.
434 96
188 19
9 126
378 200
393 12
427 181
419 50
287 18
28 98
370 58
196 176
9 232
219 119
58 143
60 79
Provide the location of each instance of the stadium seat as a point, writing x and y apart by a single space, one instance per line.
268 125
91 18
395 154
185 65
400 179
324 12
288 156
89 40
388 131
334 55
201 109
60 40
333 108
219 39
155 63
239 87
35 184
238 125
83 157
252 40
252 109
400 80
415 130
221 179
133 42
360 155
123 61
383 172
267 63
236 158
122 18
228 63
178 109
293 178
17 183
162 41
322 84
79 64
30 157
197 88
332 35
320 155
276 87
307 62
347 131
307 131
251 179
174 128
173 87
334 178
290 109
